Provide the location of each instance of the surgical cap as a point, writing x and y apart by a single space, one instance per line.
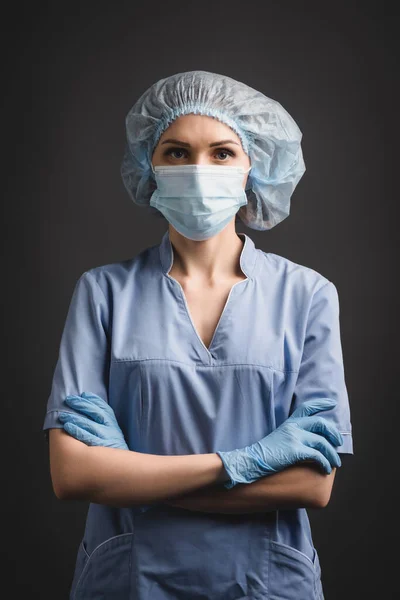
269 136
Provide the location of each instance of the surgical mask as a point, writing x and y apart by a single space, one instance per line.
199 200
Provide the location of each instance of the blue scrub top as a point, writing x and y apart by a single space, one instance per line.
129 338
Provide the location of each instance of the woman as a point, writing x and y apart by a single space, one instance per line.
186 400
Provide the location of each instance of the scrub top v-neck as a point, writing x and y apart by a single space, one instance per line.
129 338
167 259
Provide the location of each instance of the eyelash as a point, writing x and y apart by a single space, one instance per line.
171 150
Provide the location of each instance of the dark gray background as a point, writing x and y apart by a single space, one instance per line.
72 73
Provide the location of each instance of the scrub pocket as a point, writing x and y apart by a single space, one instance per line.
318 583
292 575
81 560
106 572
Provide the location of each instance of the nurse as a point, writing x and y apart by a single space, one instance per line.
199 401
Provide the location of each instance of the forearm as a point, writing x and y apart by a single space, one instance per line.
298 486
124 478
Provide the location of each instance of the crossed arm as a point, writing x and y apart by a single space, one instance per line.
298 486
124 478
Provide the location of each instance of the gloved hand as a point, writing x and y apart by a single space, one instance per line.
300 437
98 426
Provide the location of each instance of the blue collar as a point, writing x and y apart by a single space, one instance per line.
248 255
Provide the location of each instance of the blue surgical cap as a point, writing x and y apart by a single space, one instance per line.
269 136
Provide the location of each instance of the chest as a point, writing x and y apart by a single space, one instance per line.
244 321
205 305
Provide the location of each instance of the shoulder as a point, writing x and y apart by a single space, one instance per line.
293 275
112 277
301 291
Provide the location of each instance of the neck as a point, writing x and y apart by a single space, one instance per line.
214 259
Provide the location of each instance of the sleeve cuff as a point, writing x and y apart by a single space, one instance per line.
51 421
347 446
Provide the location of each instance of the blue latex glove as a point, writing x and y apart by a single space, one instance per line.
97 426
300 437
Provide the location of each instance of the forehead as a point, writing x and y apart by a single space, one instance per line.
199 128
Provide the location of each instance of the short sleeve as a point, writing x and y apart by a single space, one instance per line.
83 359
321 373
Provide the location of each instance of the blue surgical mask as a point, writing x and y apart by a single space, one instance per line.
199 200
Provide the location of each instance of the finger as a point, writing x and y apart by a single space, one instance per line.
318 442
82 435
322 427
310 453
310 407
97 400
103 404
87 407
82 422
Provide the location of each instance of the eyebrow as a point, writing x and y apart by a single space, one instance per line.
173 141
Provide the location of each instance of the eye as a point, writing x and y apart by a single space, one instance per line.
179 151
170 151
225 151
